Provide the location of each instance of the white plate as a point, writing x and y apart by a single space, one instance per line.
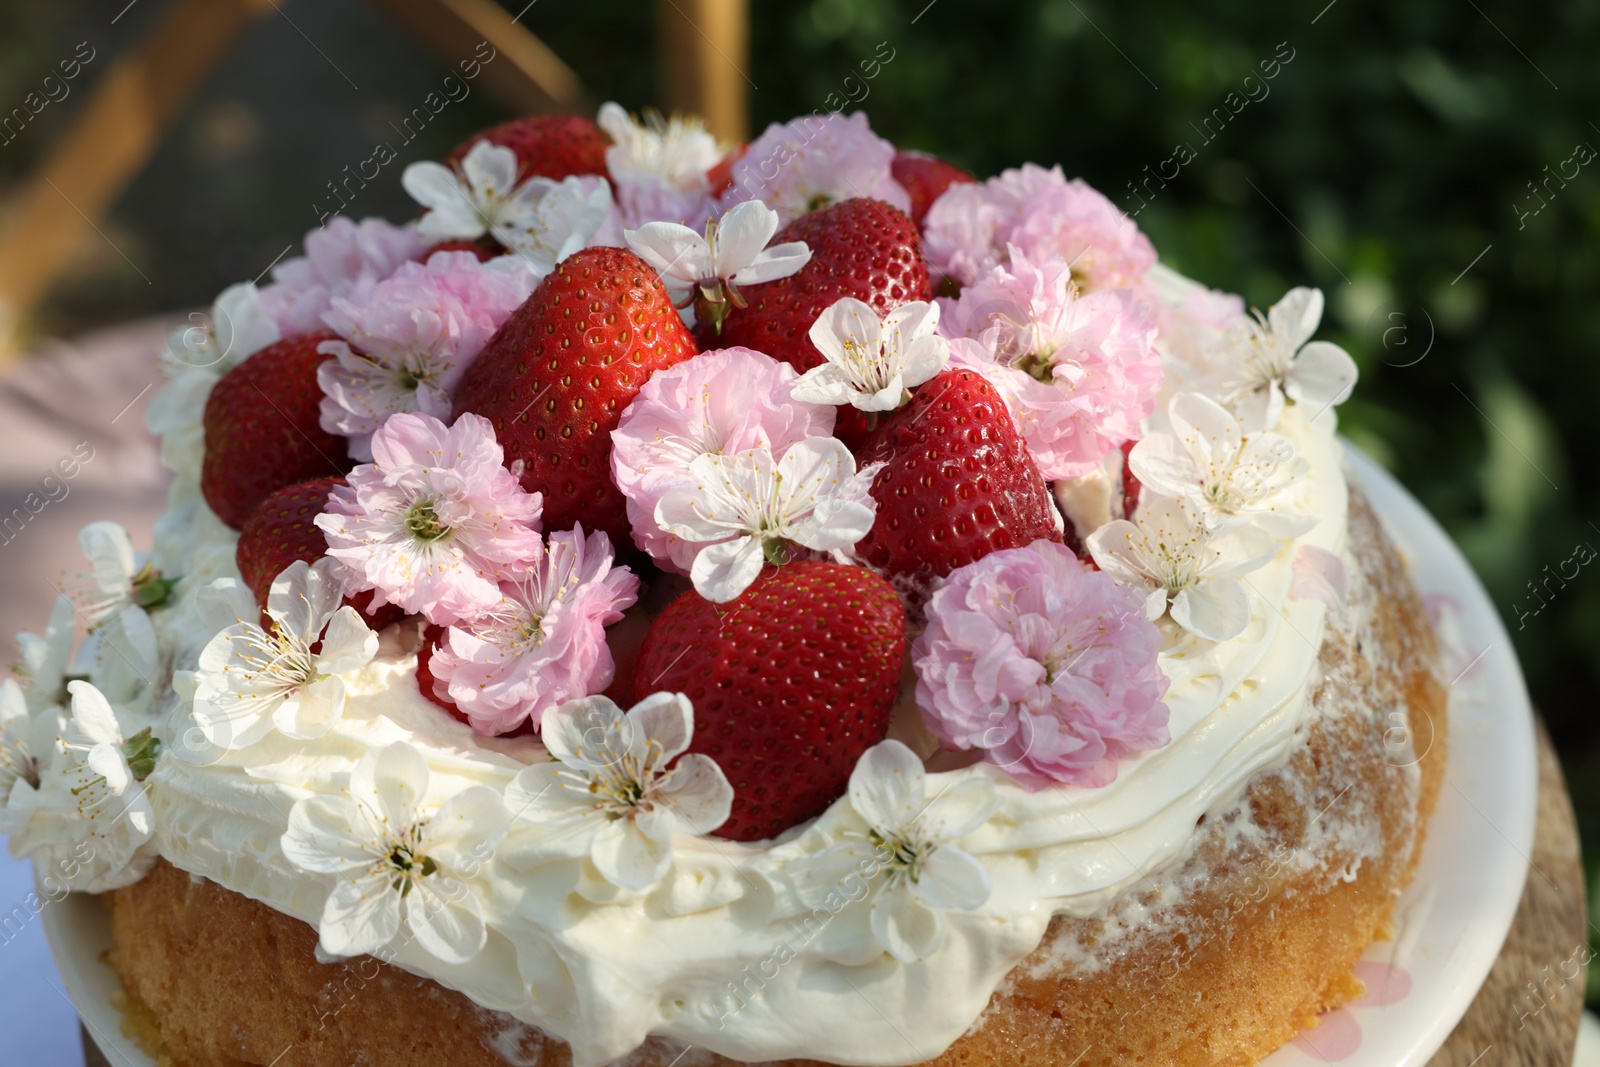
1451 922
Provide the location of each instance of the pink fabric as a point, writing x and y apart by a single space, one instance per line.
64 401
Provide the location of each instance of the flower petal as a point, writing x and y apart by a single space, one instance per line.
328 835
1217 609
628 857
312 711
444 916
722 571
887 786
953 878
361 916
696 795
1321 376
907 928
665 718
742 234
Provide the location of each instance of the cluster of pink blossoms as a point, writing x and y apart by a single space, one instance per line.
437 525
972 227
1044 665
1077 370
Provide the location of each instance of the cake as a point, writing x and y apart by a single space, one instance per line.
798 604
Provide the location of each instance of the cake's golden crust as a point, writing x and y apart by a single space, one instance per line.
1278 900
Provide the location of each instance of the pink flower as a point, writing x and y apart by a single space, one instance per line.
726 401
343 259
814 161
646 199
436 522
1077 371
1044 664
969 229
410 338
544 643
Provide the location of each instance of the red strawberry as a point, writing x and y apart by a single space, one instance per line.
861 248
959 483
281 531
556 376
1131 485
791 682
547 146
477 248
263 431
925 177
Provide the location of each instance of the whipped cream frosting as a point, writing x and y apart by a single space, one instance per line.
722 954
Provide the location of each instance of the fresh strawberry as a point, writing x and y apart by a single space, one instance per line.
861 248
791 682
547 146
281 531
925 177
263 430
557 375
477 248
958 485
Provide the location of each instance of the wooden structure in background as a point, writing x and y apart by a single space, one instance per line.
705 60
704 55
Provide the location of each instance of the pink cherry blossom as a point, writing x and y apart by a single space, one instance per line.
544 643
969 229
435 522
1078 371
725 401
410 338
814 161
343 259
1045 665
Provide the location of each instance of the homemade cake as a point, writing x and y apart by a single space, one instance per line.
676 606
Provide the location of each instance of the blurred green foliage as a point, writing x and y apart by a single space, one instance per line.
1415 159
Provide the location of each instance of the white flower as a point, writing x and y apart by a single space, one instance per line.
754 507
612 796
123 659
481 196
708 269
85 822
237 328
1168 551
1266 358
26 744
46 659
568 216
398 862
676 151
1225 474
121 580
871 362
253 680
906 853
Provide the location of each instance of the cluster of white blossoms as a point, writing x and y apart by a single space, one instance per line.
1217 484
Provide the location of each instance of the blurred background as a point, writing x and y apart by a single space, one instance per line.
1430 164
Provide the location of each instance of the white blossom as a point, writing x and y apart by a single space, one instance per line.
398 861
708 269
47 658
237 328
906 851
253 680
1168 551
872 363
1226 475
676 151
748 507
86 821
481 195
1265 359
613 792
27 742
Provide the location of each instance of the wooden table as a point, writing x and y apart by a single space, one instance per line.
1525 1015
